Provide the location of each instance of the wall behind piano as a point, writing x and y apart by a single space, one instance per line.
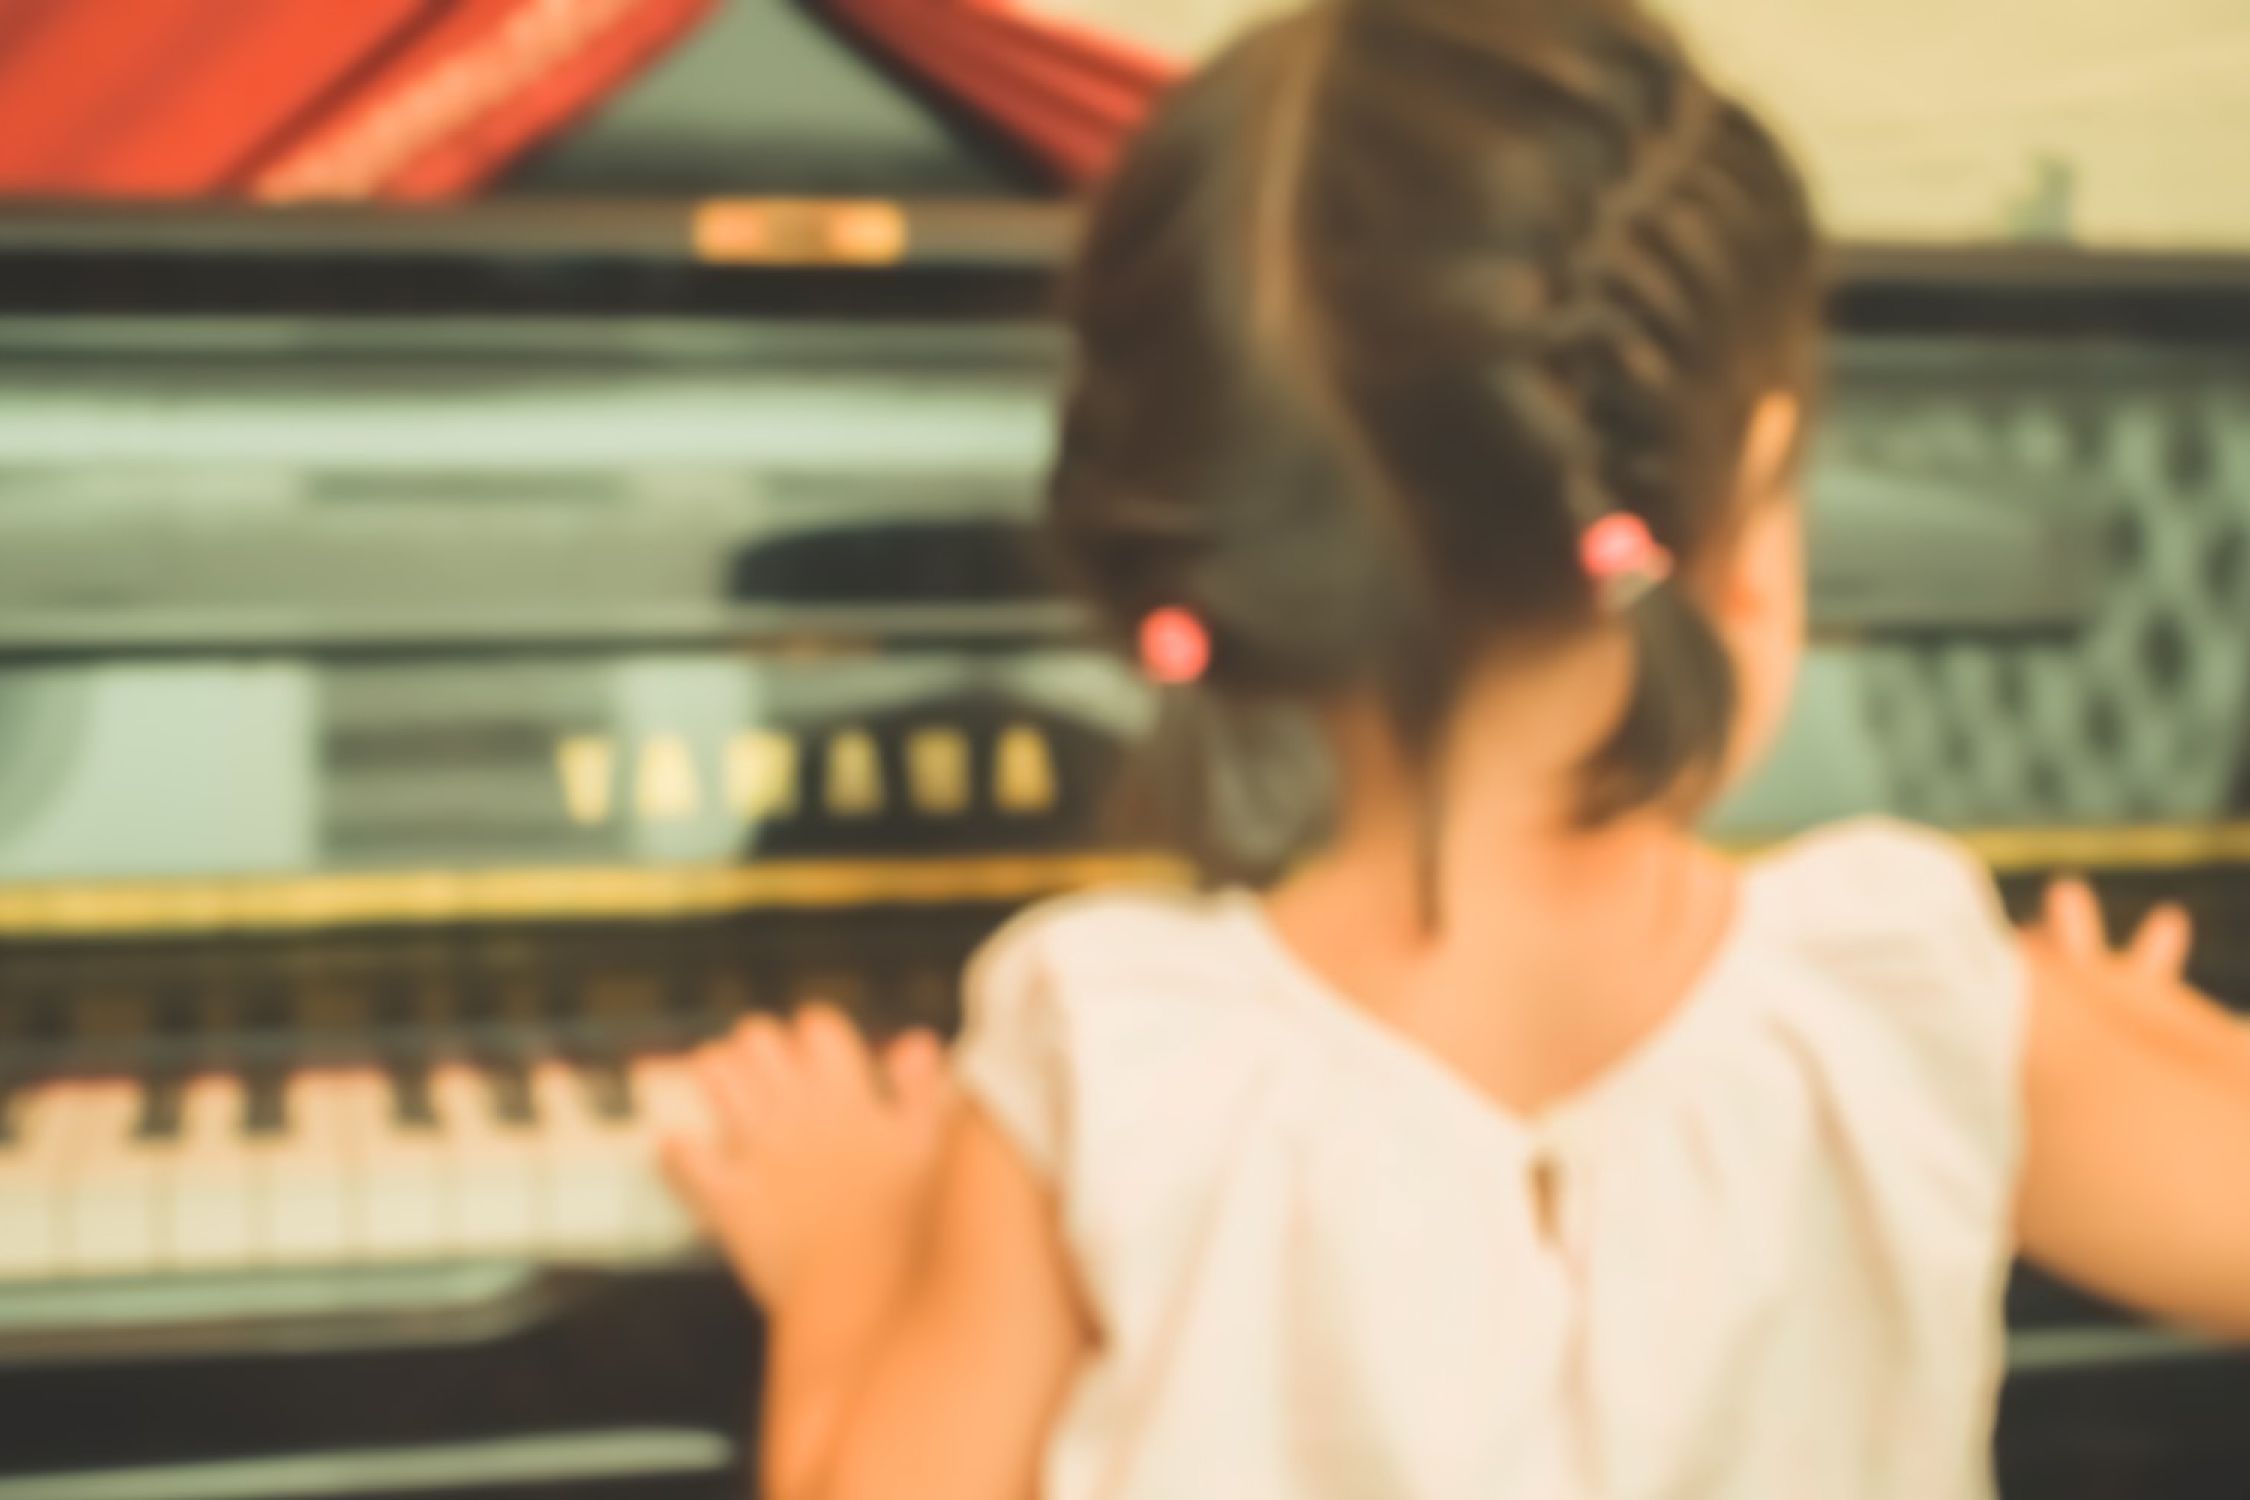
1943 120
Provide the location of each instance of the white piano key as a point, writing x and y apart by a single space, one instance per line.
347 1182
209 1222
492 1169
666 1101
111 1193
31 1189
401 1187
300 1177
589 1165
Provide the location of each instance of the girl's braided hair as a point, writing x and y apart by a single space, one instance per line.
1385 308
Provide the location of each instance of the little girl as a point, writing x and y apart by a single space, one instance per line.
1441 375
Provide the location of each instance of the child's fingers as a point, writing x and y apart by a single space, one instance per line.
833 1047
921 1087
708 1183
914 1067
731 1083
764 1050
670 1097
697 1171
2161 947
2073 920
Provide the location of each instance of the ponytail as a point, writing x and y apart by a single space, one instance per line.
1242 787
1673 738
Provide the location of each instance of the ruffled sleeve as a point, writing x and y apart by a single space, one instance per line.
1911 924
1012 1057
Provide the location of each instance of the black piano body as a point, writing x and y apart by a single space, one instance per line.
449 660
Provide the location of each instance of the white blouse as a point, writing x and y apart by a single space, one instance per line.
1772 1271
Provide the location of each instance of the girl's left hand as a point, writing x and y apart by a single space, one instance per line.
2072 921
822 1163
2143 982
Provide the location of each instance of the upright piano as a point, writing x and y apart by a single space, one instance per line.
451 662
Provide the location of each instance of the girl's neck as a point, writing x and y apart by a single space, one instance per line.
1497 805
1556 947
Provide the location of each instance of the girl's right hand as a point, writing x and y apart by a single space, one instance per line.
819 1177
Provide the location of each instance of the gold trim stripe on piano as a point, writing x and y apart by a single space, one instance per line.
2123 849
2093 849
417 898
432 898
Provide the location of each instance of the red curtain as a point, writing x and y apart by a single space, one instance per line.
284 99
468 94
1067 95
167 96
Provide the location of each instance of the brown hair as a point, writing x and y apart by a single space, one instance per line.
1386 306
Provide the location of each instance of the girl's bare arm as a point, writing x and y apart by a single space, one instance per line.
957 1403
921 1317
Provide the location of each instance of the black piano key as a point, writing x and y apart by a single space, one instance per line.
609 1089
20 1041
175 1015
160 1109
697 1009
180 1032
24 1034
265 1109
395 1011
266 1011
412 1107
923 996
48 1026
264 1038
685 988
511 1092
561 999
476 1007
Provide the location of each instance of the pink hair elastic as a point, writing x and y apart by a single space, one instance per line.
1622 558
1175 646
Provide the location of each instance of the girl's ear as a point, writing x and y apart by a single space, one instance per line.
1769 451
1757 597
1764 573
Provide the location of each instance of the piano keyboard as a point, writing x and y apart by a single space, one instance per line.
341 1167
